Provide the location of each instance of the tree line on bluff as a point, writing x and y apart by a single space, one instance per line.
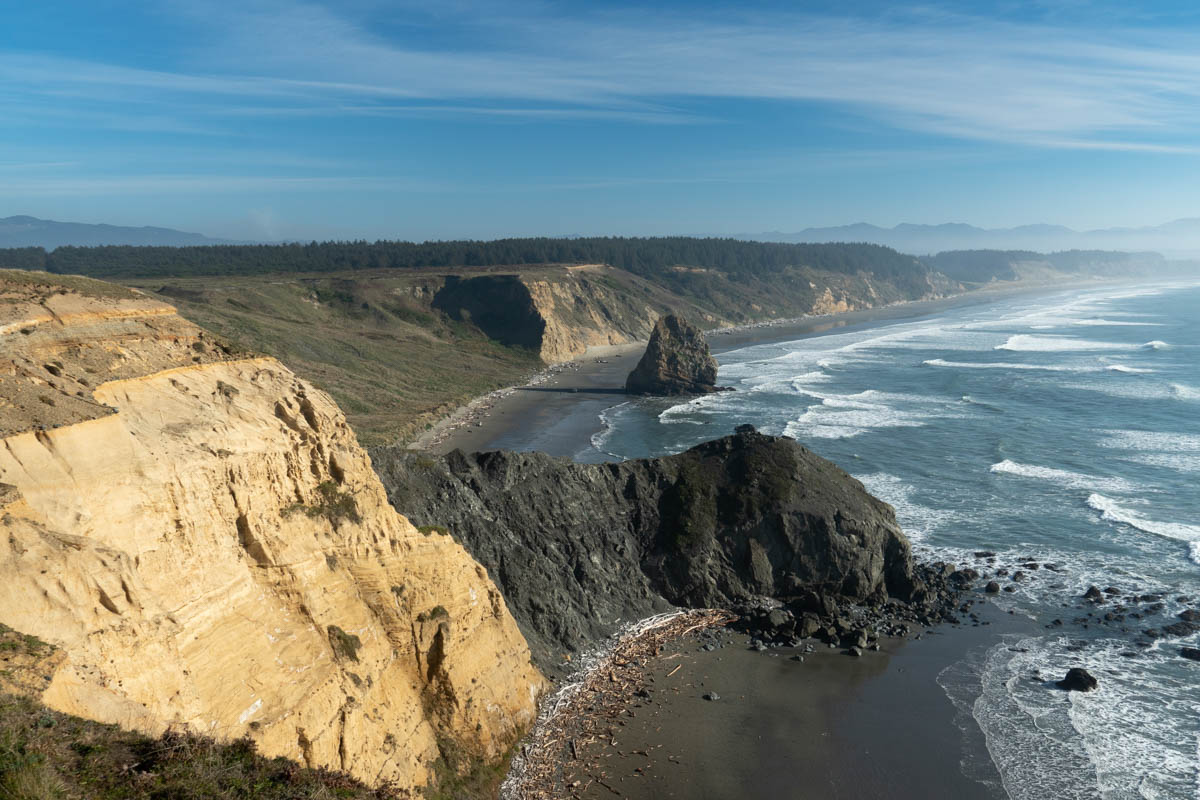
642 256
648 257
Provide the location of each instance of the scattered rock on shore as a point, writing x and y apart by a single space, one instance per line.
1078 679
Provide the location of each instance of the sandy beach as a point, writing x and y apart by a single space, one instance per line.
559 410
827 726
811 722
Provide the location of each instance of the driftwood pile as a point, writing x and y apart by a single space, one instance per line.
583 710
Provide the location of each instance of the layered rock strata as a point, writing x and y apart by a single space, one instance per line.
578 548
676 361
207 546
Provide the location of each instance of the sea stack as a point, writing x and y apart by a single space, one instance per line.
676 361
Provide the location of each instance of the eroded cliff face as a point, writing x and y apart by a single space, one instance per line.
579 548
560 316
582 312
208 546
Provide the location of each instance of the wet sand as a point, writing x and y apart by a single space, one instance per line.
561 413
831 726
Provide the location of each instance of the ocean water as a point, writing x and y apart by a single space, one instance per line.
1062 428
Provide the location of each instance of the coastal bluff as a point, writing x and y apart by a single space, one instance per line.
676 361
200 536
579 548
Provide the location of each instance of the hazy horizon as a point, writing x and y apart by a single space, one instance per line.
284 119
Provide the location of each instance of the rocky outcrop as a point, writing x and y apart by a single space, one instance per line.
676 361
578 548
207 546
1078 679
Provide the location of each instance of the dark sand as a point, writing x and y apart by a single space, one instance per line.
831 726
561 415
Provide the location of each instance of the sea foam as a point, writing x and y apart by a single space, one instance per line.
1124 740
917 520
1112 511
1062 477
1185 392
1026 343
941 362
1114 323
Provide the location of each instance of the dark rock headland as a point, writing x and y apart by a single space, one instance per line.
677 361
756 524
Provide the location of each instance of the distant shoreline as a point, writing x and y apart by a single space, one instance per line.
557 412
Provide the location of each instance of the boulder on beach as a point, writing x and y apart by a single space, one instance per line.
676 361
1078 679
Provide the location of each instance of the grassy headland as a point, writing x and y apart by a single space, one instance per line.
402 333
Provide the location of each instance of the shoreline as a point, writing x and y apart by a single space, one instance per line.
885 725
681 706
557 411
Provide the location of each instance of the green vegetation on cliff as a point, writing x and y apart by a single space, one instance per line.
48 755
391 362
982 266
641 256
401 333
45 755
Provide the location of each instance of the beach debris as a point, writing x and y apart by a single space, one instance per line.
587 708
711 696
1078 679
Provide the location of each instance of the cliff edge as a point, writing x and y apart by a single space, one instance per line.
579 548
202 538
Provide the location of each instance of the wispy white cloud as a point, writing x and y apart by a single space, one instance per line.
1041 85
178 185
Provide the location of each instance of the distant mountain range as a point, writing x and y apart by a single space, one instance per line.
25 231
1178 239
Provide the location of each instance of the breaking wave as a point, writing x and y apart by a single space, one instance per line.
1027 343
1112 511
1062 477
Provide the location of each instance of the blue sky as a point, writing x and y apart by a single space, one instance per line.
267 119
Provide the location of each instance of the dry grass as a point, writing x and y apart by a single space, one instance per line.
40 285
370 340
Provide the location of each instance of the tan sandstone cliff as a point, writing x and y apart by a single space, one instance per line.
208 545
